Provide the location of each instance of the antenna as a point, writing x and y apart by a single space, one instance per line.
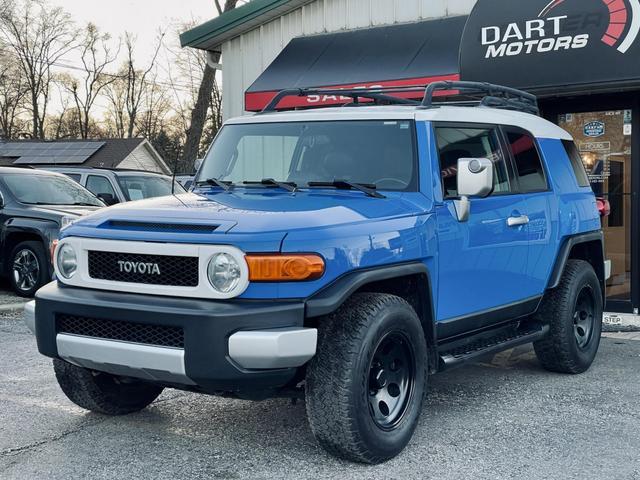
173 177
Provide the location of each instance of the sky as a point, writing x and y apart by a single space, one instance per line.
142 17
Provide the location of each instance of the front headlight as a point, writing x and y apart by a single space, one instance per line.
224 272
67 261
66 221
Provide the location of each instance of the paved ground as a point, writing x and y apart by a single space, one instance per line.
505 418
8 299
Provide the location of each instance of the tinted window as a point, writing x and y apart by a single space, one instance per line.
98 184
138 187
455 143
74 176
528 164
375 152
48 190
576 163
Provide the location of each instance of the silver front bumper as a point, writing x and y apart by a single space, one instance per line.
148 362
261 350
30 316
278 348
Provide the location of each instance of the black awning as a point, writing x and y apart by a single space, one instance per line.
399 55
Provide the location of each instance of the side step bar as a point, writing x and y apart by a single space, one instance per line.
459 355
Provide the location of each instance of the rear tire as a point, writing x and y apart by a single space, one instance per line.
573 310
365 387
102 392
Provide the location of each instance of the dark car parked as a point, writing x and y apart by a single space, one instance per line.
34 206
120 185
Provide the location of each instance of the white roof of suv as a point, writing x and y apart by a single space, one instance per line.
538 126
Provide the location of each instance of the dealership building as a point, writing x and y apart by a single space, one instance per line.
581 57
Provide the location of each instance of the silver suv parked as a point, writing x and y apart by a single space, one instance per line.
116 186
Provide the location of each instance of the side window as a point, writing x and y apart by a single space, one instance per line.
464 142
576 163
74 176
528 163
98 184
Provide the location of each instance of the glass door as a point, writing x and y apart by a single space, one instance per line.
604 141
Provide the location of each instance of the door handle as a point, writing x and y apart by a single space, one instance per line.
517 221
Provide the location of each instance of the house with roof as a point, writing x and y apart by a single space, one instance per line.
112 153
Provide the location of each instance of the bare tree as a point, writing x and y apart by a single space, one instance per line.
38 35
127 94
96 56
203 101
115 95
13 91
64 123
136 81
155 108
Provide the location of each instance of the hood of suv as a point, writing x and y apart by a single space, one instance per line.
62 210
261 211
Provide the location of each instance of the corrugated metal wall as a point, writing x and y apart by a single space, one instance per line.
246 56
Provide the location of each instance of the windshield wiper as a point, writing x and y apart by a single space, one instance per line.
270 182
223 184
368 189
85 204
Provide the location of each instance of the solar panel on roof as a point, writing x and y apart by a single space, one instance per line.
50 153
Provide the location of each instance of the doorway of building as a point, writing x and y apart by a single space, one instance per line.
604 139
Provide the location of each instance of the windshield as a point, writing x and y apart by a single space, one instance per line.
380 153
139 187
34 189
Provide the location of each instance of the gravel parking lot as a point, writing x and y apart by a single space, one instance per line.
8 298
503 418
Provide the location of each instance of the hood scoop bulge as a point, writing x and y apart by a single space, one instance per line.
160 227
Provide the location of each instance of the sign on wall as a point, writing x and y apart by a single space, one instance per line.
594 129
552 45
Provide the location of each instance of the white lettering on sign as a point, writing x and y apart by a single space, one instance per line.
335 98
533 36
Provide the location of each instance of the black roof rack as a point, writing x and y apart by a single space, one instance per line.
471 93
378 95
486 95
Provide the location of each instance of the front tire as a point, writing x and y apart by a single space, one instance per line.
29 268
573 310
365 387
102 392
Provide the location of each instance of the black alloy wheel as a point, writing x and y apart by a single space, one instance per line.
391 380
26 270
583 317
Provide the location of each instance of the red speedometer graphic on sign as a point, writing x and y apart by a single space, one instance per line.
624 16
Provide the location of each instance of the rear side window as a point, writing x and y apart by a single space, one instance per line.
97 185
576 163
464 142
528 164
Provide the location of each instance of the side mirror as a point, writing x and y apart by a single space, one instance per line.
107 198
475 179
197 164
1 202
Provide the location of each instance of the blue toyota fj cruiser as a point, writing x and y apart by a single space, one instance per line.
340 254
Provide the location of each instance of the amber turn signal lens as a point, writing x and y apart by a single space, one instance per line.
284 268
52 250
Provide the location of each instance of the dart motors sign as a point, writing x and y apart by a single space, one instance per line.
552 45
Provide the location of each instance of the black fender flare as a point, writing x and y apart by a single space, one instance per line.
565 251
331 297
